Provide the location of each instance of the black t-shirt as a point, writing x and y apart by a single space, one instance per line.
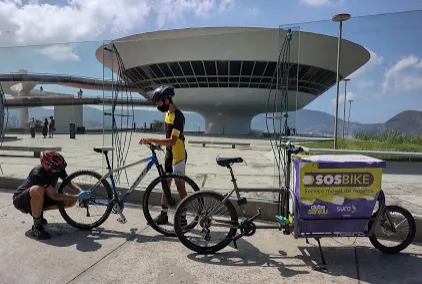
174 126
39 176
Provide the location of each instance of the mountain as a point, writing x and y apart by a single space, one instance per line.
409 121
93 117
311 122
315 122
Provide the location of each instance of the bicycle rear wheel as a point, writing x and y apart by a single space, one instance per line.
384 231
153 199
203 205
101 199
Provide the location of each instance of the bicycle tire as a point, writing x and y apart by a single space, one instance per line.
180 231
412 231
62 210
148 192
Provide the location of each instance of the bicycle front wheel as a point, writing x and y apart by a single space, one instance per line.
87 215
211 213
405 226
158 213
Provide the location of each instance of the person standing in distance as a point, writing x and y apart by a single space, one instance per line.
176 155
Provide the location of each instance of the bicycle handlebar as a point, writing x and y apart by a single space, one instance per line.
154 147
292 148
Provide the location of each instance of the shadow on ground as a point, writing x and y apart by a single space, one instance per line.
64 235
365 264
359 263
249 255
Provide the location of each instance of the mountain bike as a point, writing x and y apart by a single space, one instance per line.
100 193
213 210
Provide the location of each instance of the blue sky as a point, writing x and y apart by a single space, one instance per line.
390 83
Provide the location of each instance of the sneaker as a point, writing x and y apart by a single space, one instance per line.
39 233
162 219
43 220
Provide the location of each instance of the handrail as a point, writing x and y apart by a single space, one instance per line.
364 152
16 76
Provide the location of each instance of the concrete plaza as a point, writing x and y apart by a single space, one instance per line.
402 181
134 253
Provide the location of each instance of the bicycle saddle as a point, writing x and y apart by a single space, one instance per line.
224 162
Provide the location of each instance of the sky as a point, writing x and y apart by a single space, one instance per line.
62 36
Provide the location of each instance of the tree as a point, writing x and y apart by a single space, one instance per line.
157 125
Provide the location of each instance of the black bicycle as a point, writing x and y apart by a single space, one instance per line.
100 194
212 210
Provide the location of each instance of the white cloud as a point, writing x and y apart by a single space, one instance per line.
374 60
175 10
60 52
253 11
320 3
365 83
349 96
404 76
78 20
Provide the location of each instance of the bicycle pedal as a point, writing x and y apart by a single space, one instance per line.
121 221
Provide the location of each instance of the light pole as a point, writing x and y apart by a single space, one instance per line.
338 18
344 104
348 119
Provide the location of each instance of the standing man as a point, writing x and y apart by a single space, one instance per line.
174 142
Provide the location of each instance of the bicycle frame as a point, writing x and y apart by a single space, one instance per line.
152 160
285 210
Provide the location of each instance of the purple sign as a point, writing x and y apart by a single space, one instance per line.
334 191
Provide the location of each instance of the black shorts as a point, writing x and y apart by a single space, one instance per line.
168 164
22 202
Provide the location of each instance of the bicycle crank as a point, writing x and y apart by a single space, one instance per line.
118 208
247 228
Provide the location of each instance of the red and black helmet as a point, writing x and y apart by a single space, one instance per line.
53 161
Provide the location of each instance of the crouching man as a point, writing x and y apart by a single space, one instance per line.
38 193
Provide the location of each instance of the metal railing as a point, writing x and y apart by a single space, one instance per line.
364 152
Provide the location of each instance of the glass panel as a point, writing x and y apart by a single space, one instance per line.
186 68
235 67
210 67
384 75
198 68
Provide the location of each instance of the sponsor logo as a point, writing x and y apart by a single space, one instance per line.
318 210
349 179
347 209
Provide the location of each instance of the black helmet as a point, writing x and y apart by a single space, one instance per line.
162 92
